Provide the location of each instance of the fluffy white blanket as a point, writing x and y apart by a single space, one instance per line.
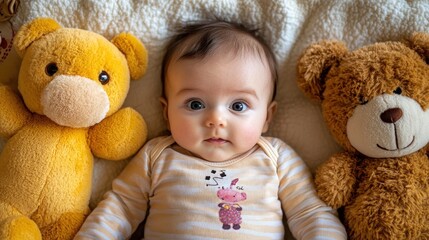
289 26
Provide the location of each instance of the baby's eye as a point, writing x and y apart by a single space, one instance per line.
195 105
239 106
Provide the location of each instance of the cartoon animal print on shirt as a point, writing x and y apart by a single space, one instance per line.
230 210
213 181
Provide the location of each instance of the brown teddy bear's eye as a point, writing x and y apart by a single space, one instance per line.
398 91
103 77
362 100
51 69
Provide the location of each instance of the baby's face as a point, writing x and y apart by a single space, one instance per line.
218 107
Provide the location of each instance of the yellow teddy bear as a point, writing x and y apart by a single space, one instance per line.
71 84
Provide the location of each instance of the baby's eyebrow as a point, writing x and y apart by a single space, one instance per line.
242 91
187 90
248 91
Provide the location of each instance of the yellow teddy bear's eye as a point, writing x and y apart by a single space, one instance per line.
104 77
51 69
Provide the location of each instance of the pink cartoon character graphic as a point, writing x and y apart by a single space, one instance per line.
230 211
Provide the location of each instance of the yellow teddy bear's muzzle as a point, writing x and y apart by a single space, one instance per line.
75 101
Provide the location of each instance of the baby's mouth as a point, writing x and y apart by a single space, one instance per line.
216 140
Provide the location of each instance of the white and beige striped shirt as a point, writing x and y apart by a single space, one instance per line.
188 198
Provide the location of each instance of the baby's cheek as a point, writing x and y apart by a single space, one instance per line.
251 135
182 130
183 135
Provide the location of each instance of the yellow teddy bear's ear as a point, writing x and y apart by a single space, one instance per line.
135 53
32 31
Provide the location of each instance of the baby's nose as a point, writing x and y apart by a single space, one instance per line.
215 118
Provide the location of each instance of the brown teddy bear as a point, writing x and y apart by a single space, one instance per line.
375 101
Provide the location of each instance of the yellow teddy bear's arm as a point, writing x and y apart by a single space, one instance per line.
13 113
336 178
119 136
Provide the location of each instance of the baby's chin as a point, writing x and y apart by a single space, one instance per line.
215 151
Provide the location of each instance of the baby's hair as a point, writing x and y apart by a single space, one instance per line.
198 40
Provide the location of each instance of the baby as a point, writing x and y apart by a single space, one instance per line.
215 177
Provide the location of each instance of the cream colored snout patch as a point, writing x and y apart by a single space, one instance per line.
74 101
375 135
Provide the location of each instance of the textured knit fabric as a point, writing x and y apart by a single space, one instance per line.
185 197
288 26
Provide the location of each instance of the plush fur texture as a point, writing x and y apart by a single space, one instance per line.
375 101
67 77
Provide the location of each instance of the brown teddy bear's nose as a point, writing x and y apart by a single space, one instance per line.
391 115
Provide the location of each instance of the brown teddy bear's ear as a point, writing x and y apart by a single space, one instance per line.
314 65
135 53
32 31
419 42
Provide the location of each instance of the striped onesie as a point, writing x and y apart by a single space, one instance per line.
184 197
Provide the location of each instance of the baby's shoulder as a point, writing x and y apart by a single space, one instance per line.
158 141
155 146
277 144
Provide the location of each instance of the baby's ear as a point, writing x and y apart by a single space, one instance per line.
314 65
419 42
135 53
33 31
272 108
164 104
